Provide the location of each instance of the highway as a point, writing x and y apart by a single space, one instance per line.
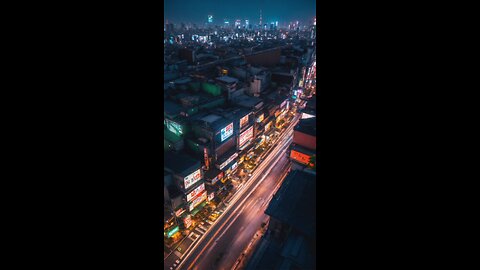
226 239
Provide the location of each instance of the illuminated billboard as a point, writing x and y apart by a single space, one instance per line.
173 231
174 127
218 177
234 166
230 159
245 136
226 132
198 200
179 212
187 221
195 192
211 196
306 116
260 118
267 126
300 157
244 121
192 178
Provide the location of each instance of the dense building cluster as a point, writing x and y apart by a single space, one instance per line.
225 99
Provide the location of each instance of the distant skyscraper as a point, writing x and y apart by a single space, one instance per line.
210 18
237 23
226 23
260 17
246 23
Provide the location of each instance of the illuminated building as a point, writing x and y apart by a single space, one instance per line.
210 18
237 23
304 145
187 188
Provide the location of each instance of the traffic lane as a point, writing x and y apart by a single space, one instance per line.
197 249
237 204
241 230
250 221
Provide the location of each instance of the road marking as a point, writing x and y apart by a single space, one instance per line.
276 157
272 155
178 254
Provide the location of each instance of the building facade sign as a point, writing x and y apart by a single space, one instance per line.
192 178
202 197
195 192
187 221
226 132
230 159
245 136
300 157
244 121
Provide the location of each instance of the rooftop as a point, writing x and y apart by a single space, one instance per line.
180 163
307 126
211 118
294 203
227 79
247 101
172 108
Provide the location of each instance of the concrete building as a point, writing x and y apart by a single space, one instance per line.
186 191
304 145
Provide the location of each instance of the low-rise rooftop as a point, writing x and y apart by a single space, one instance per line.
294 203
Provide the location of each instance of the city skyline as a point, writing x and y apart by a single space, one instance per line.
279 10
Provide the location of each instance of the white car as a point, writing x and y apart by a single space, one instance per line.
177 261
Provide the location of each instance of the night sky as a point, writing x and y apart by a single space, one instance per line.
196 11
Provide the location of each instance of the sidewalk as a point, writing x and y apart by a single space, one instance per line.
242 261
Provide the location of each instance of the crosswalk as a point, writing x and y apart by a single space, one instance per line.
198 231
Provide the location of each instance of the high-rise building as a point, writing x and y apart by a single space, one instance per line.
226 23
237 23
260 18
210 18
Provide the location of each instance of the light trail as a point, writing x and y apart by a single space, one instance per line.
233 209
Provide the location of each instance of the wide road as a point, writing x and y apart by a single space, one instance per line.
234 229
